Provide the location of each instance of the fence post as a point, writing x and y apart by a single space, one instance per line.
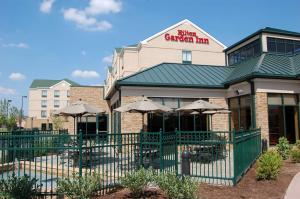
234 157
161 154
141 148
176 152
80 143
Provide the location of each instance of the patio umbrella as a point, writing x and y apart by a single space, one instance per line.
78 109
143 106
200 106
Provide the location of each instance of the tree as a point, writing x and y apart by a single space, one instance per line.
57 122
8 116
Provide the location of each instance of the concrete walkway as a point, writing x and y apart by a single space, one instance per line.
293 191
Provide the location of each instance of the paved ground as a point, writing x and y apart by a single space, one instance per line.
293 191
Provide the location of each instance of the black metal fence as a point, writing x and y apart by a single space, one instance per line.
215 157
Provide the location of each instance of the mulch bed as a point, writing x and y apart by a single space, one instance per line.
248 187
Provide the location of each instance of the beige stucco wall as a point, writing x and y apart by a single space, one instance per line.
35 98
158 50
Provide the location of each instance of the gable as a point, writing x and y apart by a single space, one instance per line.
184 35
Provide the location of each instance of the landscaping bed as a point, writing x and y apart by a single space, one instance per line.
248 187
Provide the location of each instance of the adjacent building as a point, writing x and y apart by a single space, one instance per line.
45 96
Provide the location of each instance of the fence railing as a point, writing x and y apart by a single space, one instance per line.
216 157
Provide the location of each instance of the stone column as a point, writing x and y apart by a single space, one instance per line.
262 119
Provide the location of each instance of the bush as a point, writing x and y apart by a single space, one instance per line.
268 166
18 187
176 188
295 155
80 187
137 181
297 144
283 148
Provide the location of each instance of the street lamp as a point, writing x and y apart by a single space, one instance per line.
8 101
21 112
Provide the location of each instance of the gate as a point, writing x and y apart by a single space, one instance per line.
158 151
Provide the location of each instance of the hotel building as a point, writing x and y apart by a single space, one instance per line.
257 79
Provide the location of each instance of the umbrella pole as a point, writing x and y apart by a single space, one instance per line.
74 125
143 120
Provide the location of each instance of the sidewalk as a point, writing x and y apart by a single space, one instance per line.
293 191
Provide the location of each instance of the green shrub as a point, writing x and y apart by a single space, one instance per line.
268 166
283 148
137 181
80 187
297 144
176 188
18 187
295 155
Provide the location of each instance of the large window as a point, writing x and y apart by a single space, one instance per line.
283 46
186 57
171 121
88 125
250 50
56 103
240 108
283 117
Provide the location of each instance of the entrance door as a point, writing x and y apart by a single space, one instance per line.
290 120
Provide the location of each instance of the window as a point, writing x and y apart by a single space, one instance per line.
68 93
283 117
43 126
56 103
240 108
43 114
56 93
44 93
44 103
248 51
186 57
283 46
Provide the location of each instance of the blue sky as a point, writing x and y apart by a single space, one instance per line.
51 39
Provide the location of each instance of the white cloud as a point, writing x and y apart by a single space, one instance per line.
17 76
85 74
83 53
15 45
85 19
85 22
97 7
46 6
107 59
7 91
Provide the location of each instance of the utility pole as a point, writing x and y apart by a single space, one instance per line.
21 112
7 114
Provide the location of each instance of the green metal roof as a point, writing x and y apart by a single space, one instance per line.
267 65
46 83
179 75
265 30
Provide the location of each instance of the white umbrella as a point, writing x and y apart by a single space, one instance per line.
78 109
200 106
143 106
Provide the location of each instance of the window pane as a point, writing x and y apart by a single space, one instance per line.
184 102
274 99
276 127
289 48
189 56
171 102
290 99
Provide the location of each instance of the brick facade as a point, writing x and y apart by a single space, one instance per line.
262 120
220 121
131 122
92 95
